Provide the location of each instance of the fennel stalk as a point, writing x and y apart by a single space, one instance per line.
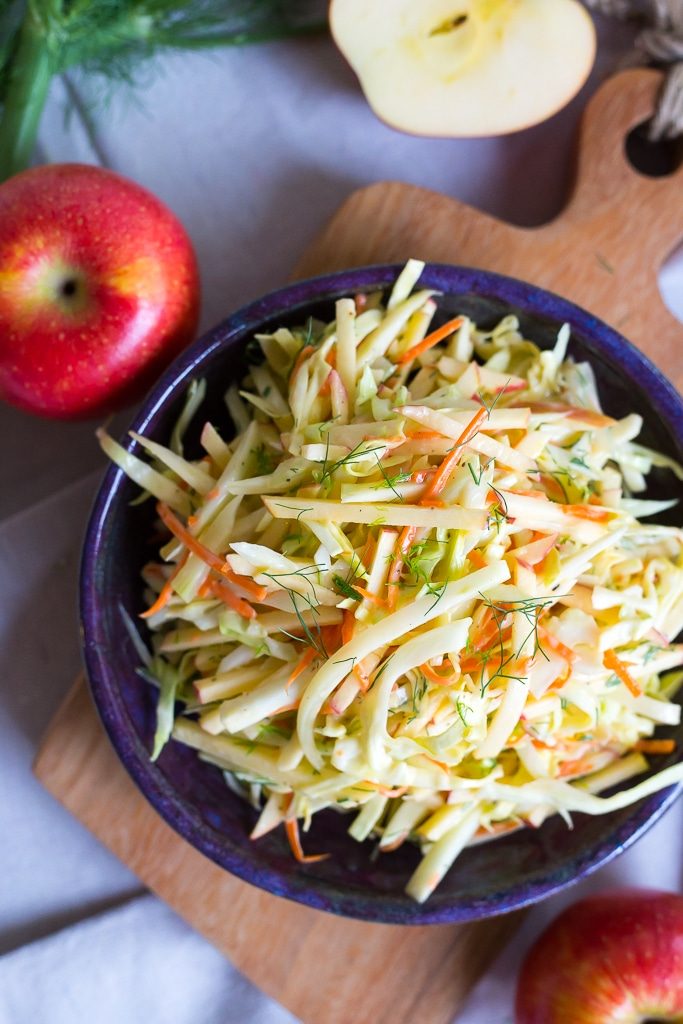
43 38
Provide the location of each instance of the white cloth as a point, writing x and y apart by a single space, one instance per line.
254 150
137 963
51 869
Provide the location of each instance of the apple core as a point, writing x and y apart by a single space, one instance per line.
465 67
69 288
71 292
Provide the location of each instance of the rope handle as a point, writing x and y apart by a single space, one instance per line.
660 43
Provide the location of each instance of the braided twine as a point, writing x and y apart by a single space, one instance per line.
660 42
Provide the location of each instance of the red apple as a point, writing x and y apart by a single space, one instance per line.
98 290
614 957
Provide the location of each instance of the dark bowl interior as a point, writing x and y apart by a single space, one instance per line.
192 796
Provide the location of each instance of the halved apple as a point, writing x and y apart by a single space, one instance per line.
465 67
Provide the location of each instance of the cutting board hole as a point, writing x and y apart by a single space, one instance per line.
669 283
653 159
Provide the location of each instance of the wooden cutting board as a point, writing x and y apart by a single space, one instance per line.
603 252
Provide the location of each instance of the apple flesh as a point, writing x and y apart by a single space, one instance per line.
99 290
614 957
465 67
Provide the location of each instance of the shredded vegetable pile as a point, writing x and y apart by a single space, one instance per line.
415 585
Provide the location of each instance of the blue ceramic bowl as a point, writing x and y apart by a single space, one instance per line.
191 796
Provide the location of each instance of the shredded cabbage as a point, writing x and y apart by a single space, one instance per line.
415 586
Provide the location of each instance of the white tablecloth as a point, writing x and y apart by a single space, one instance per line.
254 150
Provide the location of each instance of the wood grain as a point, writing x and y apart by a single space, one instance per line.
399 975
603 252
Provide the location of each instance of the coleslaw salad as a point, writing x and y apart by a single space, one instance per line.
415 586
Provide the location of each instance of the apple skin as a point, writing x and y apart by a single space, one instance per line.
613 957
99 290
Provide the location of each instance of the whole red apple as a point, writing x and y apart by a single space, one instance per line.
614 957
98 290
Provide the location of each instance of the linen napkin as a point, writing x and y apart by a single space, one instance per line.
138 964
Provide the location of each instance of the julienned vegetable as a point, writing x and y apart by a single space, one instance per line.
414 586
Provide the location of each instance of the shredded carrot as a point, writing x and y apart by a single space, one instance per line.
494 634
364 592
655 746
420 475
367 553
254 589
172 523
437 677
326 386
562 678
405 540
385 790
214 561
552 641
292 830
468 665
621 669
593 512
162 600
301 665
423 435
486 629
518 667
348 626
165 593
539 744
445 470
363 669
538 495
481 659
292 706
300 360
432 339
331 637
580 766
225 594
476 559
